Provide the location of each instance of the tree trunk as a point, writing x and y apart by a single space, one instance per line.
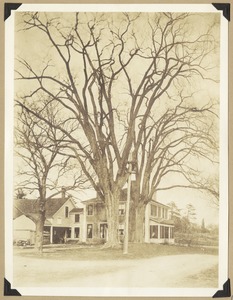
112 201
137 215
140 224
132 222
39 233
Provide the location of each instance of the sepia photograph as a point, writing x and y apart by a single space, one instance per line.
119 162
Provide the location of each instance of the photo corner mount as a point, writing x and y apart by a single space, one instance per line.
8 7
225 292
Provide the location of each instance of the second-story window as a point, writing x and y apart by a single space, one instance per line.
90 210
67 212
121 209
154 210
77 218
159 212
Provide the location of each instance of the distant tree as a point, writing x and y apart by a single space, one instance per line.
190 213
20 194
183 222
209 185
213 229
175 214
174 210
203 228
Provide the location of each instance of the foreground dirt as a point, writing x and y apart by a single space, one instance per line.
163 271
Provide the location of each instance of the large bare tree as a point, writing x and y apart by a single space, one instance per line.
108 72
42 168
172 144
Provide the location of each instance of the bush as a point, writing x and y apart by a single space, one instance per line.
96 241
72 242
197 239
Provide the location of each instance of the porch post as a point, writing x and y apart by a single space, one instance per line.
147 223
158 232
72 232
51 234
83 225
106 234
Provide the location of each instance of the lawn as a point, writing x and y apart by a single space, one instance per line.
97 252
208 277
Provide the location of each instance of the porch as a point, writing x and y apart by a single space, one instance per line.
60 234
161 234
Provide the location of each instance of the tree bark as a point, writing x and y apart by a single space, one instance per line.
139 236
39 233
132 222
112 200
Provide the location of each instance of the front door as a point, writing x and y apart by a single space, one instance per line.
104 231
61 234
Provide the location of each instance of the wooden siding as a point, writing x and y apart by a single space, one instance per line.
60 214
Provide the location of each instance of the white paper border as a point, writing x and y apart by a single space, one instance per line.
8 172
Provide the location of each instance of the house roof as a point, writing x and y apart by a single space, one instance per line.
159 203
91 200
123 198
31 207
162 221
76 210
47 223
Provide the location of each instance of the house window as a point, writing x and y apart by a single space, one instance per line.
67 212
68 233
77 218
121 229
166 214
162 232
90 210
154 210
89 231
76 232
166 232
159 212
154 231
121 209
121 232
171 233
163 212
103 231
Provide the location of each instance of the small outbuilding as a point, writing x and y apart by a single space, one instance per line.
64 220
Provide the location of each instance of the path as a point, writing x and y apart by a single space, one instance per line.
162 271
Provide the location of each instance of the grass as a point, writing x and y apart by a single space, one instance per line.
97 252
208 277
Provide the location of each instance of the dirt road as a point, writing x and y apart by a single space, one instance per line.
163 271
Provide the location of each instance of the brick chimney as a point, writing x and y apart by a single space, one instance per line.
63 193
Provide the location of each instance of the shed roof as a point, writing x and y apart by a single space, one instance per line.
162 221
77 210
159 203
31 207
